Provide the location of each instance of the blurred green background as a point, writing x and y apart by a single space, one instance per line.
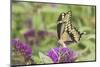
44 18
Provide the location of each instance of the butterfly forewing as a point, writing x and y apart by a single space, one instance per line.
60 25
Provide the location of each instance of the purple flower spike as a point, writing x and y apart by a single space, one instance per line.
42 33
29 33
14 41
68 55
28 53
23 48
60 55
26 50
53 54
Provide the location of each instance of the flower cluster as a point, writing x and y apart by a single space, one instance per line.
32 32
29 33
42 33
22 48
35 37
62 55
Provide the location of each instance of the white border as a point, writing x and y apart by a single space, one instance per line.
5 33
87 2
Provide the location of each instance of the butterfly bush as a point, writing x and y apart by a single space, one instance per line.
62 54
23 48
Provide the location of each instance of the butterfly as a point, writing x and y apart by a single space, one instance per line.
65 30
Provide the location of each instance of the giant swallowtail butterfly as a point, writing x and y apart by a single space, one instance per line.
65 30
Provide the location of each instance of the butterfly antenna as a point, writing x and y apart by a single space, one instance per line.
82 33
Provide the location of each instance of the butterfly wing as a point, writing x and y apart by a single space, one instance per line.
73 33
60 25
62 28
66 31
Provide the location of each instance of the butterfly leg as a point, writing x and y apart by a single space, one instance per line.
62 43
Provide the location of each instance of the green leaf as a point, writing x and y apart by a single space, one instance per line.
44 58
